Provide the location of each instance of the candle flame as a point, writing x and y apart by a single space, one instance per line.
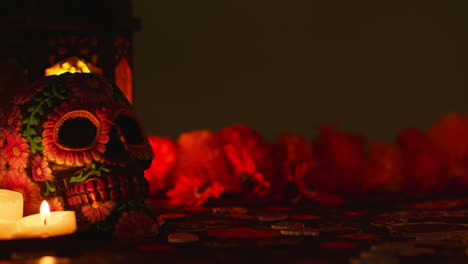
45 211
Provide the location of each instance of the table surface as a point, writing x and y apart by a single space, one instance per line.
433 232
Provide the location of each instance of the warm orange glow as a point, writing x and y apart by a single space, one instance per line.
124 78
45 210
72 65
50 260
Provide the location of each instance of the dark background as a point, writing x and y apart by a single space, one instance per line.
371 67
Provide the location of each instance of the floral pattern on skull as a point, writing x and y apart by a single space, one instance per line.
74 140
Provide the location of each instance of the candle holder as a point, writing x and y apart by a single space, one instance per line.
49 36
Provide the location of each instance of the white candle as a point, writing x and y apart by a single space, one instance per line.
11 209
46 224
11 205
7 229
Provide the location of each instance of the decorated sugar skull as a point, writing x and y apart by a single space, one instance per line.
74 141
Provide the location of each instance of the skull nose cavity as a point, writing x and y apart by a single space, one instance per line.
116 148
130 129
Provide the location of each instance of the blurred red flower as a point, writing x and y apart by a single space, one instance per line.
341 159
251 158
424 164
194 186
305 178
289 151
203 147
18 181
202 170
160 174
450 134
383 169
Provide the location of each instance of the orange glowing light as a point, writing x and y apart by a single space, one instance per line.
49 260
45 211
123 72
124 78
72 65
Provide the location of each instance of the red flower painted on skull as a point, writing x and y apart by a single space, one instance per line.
64 155
3 162
90 87
40 169
3 173
55 204
16 151
2 138
38 86
12 121
23 97
17 180
97 211
135 225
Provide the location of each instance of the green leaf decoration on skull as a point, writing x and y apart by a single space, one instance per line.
50 189
55 91
96 170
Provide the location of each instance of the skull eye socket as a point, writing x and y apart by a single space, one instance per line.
77 130
130 129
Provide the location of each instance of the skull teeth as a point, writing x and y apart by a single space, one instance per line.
108 188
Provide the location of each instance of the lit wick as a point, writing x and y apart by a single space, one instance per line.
45 211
